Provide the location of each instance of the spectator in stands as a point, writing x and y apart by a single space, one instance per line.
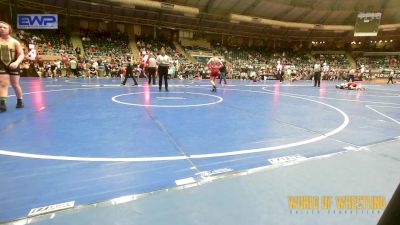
58 67
107 68
95 64
325 70
92 72
64 58
171 70
243 75
78 51
74 67
32 69
101 68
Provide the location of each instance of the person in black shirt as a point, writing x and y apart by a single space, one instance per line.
78 51
129 72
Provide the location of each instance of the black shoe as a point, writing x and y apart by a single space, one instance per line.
166 90
20 104
159 89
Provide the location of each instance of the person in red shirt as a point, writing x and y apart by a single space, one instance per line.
64 58
122 72
214 64
350 86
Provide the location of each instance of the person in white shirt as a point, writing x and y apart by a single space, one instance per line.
351 75
391 75
279 70
95 65
325 70
73 64
163 62
152 68
317 74
362 69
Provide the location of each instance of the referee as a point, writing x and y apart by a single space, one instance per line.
163 62
390 77
317 74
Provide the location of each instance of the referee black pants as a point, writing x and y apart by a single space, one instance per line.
317 79
152 75
163 74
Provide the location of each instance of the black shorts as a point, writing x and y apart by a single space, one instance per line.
4 70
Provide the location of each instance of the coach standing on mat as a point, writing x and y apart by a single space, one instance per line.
222 72
163 62
129 71
152 68
11 55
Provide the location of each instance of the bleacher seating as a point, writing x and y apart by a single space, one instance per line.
101 43
147 44
47 42
337 61
379 62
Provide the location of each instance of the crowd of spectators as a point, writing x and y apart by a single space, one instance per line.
107 53
104 43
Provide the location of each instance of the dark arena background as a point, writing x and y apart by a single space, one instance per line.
276 112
